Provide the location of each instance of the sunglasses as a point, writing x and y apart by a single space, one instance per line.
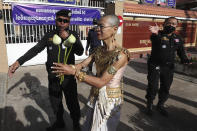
62 20
102 27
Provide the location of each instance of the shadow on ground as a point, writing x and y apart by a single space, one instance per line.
178 120
32 115
123 127
38 93
143 86
138 66
32 90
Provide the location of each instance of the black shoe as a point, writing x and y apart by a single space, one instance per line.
56 125
76 127
161 109
149 109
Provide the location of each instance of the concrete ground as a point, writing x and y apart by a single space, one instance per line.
28 108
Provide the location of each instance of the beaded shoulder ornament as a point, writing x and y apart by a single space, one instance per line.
103 58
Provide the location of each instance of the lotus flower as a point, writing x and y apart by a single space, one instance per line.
56 39
71 40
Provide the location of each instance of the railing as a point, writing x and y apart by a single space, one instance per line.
33 33
91 3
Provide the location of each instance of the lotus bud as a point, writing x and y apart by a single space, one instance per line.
71 40
56 39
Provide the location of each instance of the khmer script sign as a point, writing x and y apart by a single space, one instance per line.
29 14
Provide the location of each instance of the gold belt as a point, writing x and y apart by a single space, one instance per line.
113 92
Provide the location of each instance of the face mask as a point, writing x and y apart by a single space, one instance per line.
169 29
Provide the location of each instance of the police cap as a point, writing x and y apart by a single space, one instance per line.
95 21
64 12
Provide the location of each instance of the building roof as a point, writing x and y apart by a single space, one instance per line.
184 1
155 10
186 4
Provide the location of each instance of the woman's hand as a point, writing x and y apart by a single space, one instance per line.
63 69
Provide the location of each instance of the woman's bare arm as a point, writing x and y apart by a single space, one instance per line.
98 82
106 77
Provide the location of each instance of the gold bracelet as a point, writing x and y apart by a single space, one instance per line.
81 76
73 66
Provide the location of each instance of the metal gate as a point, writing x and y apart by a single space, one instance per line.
32 33
20 38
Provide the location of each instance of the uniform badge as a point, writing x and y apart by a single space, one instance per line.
165 38
176 40
51 39
163 46
50 48
157 68
69 14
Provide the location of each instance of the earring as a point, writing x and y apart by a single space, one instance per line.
113 38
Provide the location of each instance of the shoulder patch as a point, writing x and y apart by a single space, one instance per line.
177 40
165 38
51 39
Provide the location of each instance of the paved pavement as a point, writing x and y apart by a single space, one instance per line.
28 108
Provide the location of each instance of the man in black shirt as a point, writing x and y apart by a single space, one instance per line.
161 63
61 45
92 42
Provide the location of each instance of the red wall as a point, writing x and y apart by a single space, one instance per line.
136 34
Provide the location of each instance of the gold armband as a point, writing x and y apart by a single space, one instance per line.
81 76
112 70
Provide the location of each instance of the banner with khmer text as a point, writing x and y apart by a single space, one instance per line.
62 1
28 14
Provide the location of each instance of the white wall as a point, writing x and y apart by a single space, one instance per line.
14 51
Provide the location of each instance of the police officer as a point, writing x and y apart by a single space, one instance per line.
92 42
161 63
61 45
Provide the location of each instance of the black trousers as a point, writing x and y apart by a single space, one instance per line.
69 88
165 75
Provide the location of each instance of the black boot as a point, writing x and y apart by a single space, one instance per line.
161 109
149 108
58 124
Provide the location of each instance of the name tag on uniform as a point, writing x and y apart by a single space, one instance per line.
165 38
163 46
50 48
157 68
